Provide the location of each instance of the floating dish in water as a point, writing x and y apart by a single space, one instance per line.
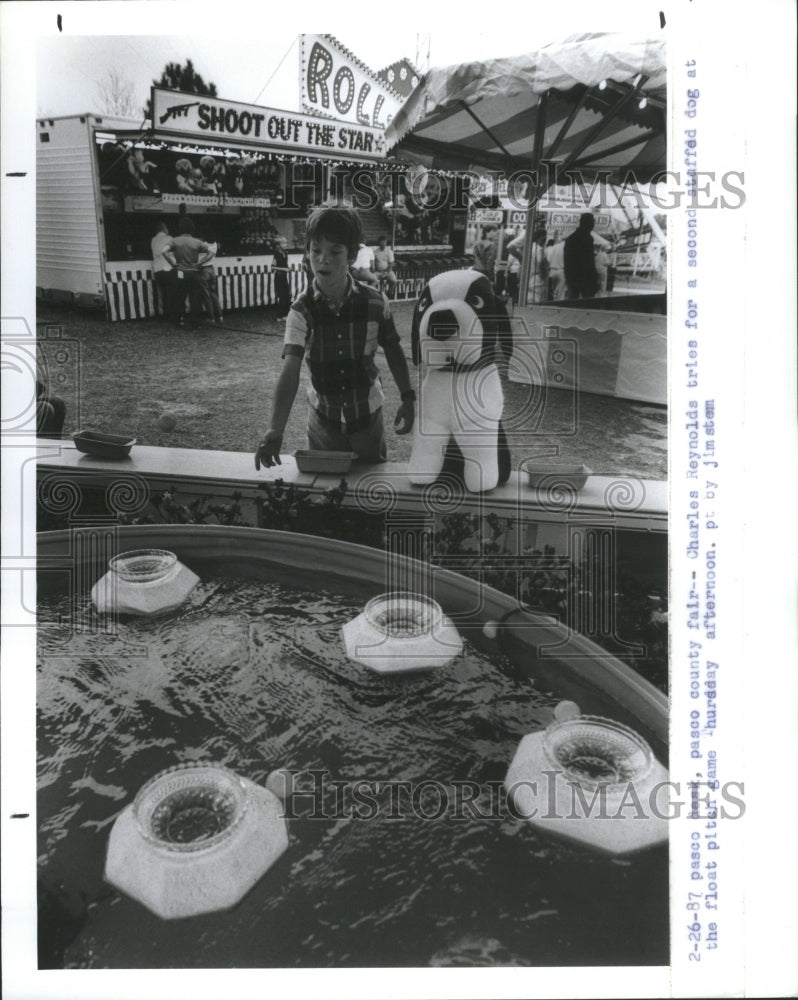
401 631
597 752
190 808
103 445
552 475
403 615
143 582
143 565
196 839
276 596
589 754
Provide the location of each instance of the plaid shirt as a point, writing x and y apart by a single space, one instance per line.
339 349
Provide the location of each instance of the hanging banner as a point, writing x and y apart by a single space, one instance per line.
335 83
229 123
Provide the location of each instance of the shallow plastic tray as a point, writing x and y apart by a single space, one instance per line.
103 445
324 461
548 474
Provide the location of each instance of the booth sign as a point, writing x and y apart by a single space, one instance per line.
175 113
335 83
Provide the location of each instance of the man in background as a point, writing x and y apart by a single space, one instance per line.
164 274
579 260
383 265
363 267
187 254
556 260
485 253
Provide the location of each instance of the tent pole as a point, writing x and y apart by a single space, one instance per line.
639 140
609 117
534 198
485 129
566 125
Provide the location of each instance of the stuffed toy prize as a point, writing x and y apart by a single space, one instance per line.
457 328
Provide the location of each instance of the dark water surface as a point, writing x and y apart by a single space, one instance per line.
254 676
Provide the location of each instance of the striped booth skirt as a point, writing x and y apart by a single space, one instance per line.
130 291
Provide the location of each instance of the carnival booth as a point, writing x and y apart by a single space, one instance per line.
247 175
587 111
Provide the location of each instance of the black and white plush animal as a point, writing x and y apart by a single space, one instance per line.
458 326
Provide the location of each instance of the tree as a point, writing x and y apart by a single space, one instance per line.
115 94
184 78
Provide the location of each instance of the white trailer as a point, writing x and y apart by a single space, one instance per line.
70 241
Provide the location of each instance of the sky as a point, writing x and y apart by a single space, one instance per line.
236 44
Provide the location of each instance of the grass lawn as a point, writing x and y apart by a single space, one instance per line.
218 383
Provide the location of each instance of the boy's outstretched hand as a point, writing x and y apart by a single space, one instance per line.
405 417
268 451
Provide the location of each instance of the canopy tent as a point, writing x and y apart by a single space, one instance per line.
577 102
593 104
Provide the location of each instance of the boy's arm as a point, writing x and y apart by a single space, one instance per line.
406 414
268 450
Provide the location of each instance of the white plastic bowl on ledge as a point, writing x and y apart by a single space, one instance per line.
401 631
195 840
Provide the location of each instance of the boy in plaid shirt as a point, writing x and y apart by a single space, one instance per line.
337 324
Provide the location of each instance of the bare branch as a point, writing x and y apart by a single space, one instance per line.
115 94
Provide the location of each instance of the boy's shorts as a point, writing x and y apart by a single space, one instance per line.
368 443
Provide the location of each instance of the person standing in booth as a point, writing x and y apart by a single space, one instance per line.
579 260
485 253
383 265
537 287
164 274
209 280
187 254
555 256
282 292
363 267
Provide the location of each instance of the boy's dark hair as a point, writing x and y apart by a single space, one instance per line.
338 225
185 227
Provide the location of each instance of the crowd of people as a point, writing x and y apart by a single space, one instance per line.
184 273
578 267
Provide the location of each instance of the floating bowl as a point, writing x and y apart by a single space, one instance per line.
190 807
596 752
143 565
103 445
143 582
403 614
196 838
401 631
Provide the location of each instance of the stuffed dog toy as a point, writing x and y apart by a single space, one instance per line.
458 325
